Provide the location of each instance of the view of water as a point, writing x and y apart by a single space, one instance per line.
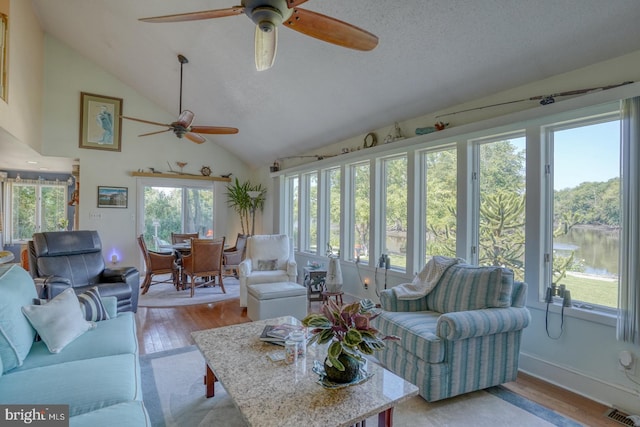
597 247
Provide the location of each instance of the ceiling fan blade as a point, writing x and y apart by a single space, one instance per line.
266 47
214 130
294 3
185 119
194 137
196 16
330 30
156 132
145 121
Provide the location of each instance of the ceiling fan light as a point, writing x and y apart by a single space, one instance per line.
266 47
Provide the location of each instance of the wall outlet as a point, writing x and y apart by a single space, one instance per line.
626 361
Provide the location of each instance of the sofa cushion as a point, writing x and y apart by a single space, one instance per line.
465 287
16 333
417 333
85 385
110 337
58 322
127 414
91 305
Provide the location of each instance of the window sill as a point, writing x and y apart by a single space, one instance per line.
595 314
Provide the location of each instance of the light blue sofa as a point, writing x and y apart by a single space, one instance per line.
462 336
97 374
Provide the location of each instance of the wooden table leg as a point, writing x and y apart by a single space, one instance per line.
385 418
209 382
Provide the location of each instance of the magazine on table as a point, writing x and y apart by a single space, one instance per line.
276 334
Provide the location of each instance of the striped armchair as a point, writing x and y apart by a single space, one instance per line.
462 336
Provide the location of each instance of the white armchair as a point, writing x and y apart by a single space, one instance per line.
269 259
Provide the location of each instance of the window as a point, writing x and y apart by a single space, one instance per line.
440 181
394 214
500 194
35 206
333 204
360 210
177 209
292 205
584 225
309 204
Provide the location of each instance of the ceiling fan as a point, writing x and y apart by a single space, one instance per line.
268 14
182 127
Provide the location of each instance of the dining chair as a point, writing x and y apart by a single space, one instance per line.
234 255
157 263
205 260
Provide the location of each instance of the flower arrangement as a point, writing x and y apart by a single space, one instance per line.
349 328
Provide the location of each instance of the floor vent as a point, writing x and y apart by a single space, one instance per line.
620 417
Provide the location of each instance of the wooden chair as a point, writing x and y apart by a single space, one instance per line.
157 263
234 255
205 260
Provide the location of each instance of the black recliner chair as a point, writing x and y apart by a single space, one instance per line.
62 259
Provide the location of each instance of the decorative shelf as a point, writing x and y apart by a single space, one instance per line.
180 176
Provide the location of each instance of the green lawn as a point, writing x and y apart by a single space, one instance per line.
589 290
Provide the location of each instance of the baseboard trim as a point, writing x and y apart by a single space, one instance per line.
613 395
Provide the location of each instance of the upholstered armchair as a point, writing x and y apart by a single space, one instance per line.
464 335
64 259
268 259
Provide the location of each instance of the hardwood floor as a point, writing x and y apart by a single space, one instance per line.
167 328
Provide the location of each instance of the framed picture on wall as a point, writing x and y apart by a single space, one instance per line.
113 197
100 122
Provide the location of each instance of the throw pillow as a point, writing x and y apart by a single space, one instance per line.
267 264
58 322
91 305
16 333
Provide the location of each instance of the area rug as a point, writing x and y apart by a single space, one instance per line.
173 390
165 294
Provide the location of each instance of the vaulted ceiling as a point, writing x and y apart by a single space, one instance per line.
432 54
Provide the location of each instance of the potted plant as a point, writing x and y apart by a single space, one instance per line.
351 334
239 197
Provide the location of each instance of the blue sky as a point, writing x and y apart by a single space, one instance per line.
586 154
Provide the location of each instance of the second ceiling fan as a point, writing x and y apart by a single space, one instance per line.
182 127
268 14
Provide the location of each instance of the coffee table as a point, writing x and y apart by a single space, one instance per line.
275 394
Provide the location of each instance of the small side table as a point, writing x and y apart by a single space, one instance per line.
326 296
314 282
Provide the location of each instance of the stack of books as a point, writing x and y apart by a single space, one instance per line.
277 334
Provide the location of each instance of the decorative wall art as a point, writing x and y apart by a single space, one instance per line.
100 122
113 197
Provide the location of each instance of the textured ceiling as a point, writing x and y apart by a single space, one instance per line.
432 54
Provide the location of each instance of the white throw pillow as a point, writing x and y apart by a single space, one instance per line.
58 322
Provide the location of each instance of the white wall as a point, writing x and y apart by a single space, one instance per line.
20 115
585 358
67 74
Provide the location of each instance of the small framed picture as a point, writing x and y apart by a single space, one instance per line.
100 122
113 197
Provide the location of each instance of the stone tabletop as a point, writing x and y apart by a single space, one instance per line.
277 394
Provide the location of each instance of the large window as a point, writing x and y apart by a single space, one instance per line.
501 209
333 193
585 228
440 195
547 191
394 214
35 206
360 210
309 204
177 209
292 196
